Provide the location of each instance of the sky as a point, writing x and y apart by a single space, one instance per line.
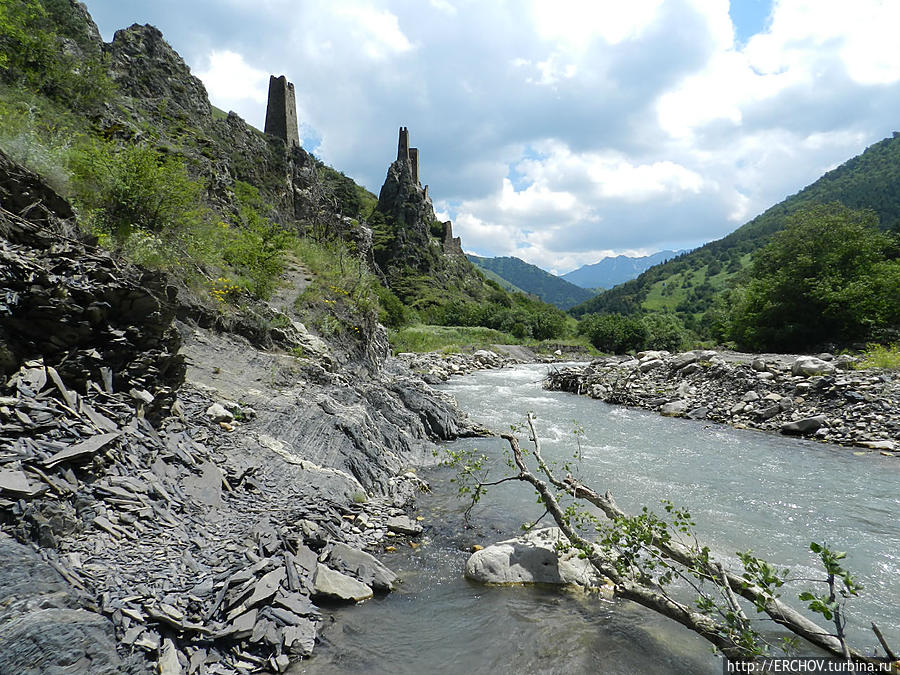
560 131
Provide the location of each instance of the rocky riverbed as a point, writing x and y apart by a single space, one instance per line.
821 397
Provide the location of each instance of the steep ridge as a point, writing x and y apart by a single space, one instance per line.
532 279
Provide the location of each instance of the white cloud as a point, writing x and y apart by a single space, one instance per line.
233 84
578 22
562 130
377 31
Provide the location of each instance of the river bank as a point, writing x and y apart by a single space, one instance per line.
820 398
766 492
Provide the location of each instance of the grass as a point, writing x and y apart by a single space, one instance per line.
429 338
425 338
880 356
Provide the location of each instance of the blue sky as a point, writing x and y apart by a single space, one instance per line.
561 131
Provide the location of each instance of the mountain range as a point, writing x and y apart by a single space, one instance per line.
615 270
523 276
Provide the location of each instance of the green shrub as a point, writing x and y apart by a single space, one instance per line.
664 331
124 189
32 54
393 313
615 333
880 356
256 249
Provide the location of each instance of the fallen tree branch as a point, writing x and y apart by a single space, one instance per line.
731 633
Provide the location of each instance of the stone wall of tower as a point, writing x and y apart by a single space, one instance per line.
403 144
281 113
414 163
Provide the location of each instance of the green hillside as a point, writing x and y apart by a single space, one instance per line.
532 279
690 283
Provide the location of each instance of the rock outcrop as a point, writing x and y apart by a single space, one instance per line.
189 512
820 397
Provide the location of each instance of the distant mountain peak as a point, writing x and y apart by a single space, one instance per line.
613 270
532 279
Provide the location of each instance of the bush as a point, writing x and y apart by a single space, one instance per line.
33 55
880 356
256 249
392 313
664 331
615 333
121 190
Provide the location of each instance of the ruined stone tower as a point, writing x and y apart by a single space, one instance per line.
281 113
408 154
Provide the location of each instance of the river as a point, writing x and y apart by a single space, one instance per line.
745 489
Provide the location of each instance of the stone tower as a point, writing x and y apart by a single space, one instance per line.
281 113
408 154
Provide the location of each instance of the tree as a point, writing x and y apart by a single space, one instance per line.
644 555
830 276
614 333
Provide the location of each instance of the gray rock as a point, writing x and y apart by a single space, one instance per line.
531 559
679 361
759 365
299 640
650 364
332 584
219 413
750 396
674 408
807 425
769 412
403 525
808 366
362 566
43 627
700 413
845 362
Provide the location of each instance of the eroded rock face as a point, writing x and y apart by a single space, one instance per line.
61 299
532 559
146 67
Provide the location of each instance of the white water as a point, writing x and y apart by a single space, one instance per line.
746 490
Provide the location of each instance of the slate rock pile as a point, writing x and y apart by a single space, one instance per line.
202 561
92 318
152 534
821 397
435 367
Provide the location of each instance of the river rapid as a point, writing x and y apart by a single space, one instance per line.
745 489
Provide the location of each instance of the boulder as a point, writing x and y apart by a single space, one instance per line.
332 584
674 408
650 364
808 366
218 413
532 559
403 525
679 361
364 567
807 425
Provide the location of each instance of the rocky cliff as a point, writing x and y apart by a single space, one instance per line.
188 489
184 491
